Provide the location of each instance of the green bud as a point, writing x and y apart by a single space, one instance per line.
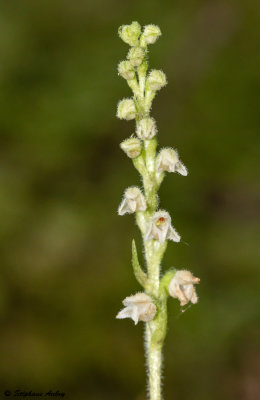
126 109
156 79
146 129
130 33
151 34
136 56
126 70
132 147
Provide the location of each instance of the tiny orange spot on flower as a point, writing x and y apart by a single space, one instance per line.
160 221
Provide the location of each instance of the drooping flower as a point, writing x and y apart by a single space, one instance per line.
133 201
182 287
126 109
130 33
146 129
139 307
151 33
168 160
160 228
136 56
132 147
126 70
156 79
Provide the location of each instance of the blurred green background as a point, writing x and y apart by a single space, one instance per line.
65 253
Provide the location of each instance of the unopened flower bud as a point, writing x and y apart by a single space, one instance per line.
126 70
126 109
151 33
146 129
168 160
160 228
139 307
130 33
132 147
136 56
133 201
156 79
182 287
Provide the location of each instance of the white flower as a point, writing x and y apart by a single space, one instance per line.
126 109
182 287
136 56
156 79
168 160
160 228
133 201
151 33
139 307
126 70
146 129
132 147
130 33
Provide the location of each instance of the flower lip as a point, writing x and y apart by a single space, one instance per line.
168 160
133 201
139 307
160 228
182 287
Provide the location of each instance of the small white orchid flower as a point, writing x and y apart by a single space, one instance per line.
182 287
138 307
146 128
126 70
130 33
132 147
133 201
126 109
136 56
168 160
156 79
160 228
151 33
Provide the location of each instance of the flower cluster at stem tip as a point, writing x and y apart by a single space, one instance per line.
155 225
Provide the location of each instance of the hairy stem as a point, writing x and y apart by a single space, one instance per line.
154 251
154 361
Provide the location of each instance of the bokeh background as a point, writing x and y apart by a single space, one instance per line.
65 253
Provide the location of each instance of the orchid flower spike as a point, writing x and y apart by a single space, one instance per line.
138 307
168 160
182 287
160 228
133 201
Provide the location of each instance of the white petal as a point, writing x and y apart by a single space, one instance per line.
124 313
173 235
188 290
141 204
181 169
170 166
149 235
131 205
123 208
135 314
162 233
194 298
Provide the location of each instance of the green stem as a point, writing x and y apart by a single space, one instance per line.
154 335
154 361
